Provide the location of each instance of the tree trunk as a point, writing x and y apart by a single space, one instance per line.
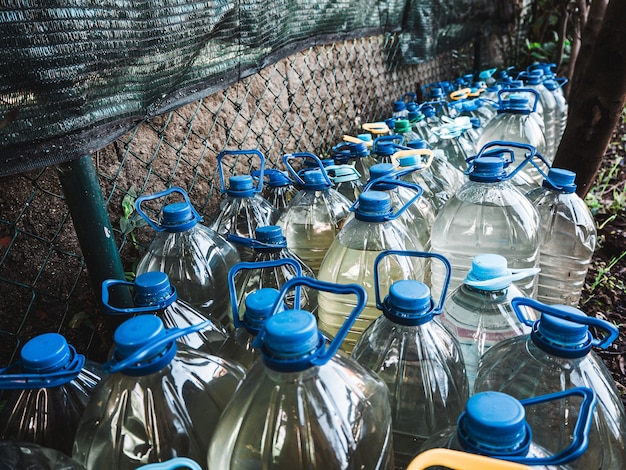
598 103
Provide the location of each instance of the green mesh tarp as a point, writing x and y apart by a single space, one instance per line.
77 74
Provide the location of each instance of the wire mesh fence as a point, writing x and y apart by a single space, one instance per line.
304 103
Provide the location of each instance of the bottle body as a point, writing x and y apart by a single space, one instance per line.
26 455
196 262
567 243
313 419
486 217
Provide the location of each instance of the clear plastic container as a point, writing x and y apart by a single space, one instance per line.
243 209
487 215
495 424
346 179
160 400
195 258
534 79
556 356
45 393
16 455
355 151
278 188
304 405
419 360
154 294
315 215
350 259
562 107
568 238
479 313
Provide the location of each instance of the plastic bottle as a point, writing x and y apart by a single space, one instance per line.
26 455
278 188
177 463
558 355
534 79
487 215
195 258
568 238
346 179
273 265
355 151
495 424
45 393
419 360
350 259
562 107
154 294
315 215
479 313
449 140
304 405
243 209
159 401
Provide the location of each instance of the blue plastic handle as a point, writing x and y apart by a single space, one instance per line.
326 352
391 180
304 155
172 464
580 435
255 152
22 381
174 189
257 265
611 330
106 287
395 139
417 254
506 147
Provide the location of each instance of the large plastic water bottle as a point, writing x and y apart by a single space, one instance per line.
154 294
487 215
304 405
385 146
534 80
424 400
45 393
568 238
26 455
495 424
355 151
315 215
555 85
195 258
160 400
479 313
351 257
243 209
450 140
278 188
346 179
558 355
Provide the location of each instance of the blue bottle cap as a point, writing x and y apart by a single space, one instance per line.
517 103
359 149
417 144
560 337
561 179
47 352
373 206
428 110
241 186
314 179
399 106
365 137
436 93
291 335
153 288
408 303
178 217
275 178
379 170
386 149
271 234
551 84
487 169
409 160
488 266
494 423
259 306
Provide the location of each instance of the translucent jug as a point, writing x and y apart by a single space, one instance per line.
278 188
419 360
195 258
243 209
304 405
160 400
355 151
568 238
346 179
350 259
45 393
153 293
558 355
15 455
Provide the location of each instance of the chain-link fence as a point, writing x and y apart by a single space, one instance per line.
304 103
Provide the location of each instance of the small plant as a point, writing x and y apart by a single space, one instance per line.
605 278
130 219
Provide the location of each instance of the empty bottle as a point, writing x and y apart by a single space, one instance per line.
278 188
16 455
303 405
558 355
479 313
243 209
346 179
568 238
160 400
45 393
195 258
350 259
274 263
419 360
487 215
154 294
495 424
315 215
